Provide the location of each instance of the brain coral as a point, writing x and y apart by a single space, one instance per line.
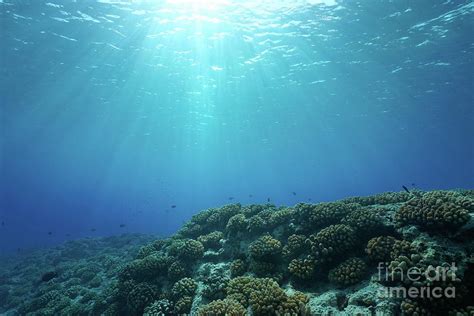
436 209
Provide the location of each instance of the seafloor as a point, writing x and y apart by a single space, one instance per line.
389 254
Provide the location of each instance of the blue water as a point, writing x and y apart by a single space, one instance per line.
113 111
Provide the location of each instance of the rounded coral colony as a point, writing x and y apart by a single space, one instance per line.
265 260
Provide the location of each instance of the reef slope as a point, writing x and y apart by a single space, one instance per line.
389 254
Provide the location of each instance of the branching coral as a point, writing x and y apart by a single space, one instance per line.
186 249
159 308
264 247
302 268
147 268
332 241
265 297
349 272
141 296
225 307
365 221
176 271
183 305
211 240
220 217
236 223
380 248
184 287
381 199
323 214
282 216
238 267
437 209
295 246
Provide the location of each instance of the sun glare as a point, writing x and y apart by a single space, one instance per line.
199 4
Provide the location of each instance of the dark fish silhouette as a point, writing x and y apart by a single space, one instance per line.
250 195
231 198
173 206
93 229
294 193
309 199
3 223
122 225
49 276
50 233
405 188
268 199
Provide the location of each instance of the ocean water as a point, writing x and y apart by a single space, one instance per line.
130 116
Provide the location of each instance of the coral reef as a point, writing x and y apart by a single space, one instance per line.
310 259
436 210
332 241
265 247
225 307
211 240
349 272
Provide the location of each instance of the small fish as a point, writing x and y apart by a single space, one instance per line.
173 206
93 229
122 225
413 185
231 198
405 188
294 193
309 199
50 233
250 196
268 199
3 223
